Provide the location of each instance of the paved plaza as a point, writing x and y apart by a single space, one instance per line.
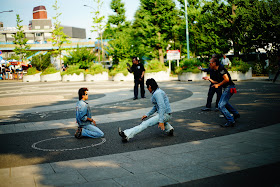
38 148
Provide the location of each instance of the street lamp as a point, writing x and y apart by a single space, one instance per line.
89 6
187 29
6 11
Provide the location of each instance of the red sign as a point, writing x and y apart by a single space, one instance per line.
14 63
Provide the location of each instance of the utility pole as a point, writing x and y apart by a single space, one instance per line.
187 29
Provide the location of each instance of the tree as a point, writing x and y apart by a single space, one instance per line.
265 33
81 56
99 26
21 48
153 25
58 36
118 31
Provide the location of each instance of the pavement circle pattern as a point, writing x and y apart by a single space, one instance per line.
35 145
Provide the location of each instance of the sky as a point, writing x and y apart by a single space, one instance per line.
74 13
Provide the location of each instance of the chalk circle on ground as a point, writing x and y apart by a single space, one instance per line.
35 145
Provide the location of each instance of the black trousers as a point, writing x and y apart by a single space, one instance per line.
136 84
276 76
211 93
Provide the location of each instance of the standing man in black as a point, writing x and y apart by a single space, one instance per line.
138 71
212 90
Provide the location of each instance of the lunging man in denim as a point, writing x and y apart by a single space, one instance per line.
161 106
229 89
87 126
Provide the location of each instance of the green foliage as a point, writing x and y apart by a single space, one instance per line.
96 69
49 70
73 69
120 68
58 36
32 71
153 27
119 32
190 65
41 62
83 57
155 66
21 48
99 26
239 65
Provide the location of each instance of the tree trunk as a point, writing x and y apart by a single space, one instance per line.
98 51
160 53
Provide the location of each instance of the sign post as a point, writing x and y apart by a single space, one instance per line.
173 55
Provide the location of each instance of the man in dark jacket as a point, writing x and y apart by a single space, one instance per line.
138 70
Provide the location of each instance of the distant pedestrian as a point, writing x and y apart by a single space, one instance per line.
86 125
278 72
212 90
138 70
226 61
161 106
229 89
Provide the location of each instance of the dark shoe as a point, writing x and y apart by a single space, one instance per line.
228 124
206 109
171 132
135 98
78 133
236 116
143 97
217 110
124 137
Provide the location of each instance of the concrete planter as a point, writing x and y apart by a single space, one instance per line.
189 76
73 78
98 77
32 78
121 77
158 76
51 77
238 76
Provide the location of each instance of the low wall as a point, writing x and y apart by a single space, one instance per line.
32 78
239 76
73 78
51 77
121 77
189 76
98 77
158 76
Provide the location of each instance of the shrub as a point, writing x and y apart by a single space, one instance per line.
239 65
120 68
49 70
81 56
41 62
189 65
96 69
32 71
73 69
155 66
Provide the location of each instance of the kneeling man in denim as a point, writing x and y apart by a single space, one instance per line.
87 126
161 106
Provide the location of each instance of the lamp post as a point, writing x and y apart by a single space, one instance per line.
89 6
6 11
187 28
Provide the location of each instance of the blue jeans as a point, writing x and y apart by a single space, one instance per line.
92 131
224 105
130 133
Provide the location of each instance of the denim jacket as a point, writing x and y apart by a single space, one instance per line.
82 113
161 104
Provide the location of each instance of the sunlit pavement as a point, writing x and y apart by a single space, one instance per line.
37 123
